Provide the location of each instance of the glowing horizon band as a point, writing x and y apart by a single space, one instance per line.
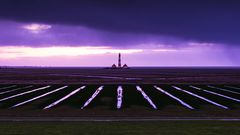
22 51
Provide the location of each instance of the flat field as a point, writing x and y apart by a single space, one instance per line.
122 128
214 75
136 101
129 93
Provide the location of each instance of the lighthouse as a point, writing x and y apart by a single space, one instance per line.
119 65
119 60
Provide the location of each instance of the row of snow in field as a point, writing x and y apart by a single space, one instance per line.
120 98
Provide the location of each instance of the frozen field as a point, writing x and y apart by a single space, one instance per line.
135 92
133 75
114 98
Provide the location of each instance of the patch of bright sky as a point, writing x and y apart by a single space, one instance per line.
36 28
22 51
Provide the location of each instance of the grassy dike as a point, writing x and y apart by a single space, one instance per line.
121 128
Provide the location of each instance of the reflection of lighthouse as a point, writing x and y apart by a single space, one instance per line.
119 64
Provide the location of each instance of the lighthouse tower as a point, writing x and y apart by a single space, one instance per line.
119 60
119 65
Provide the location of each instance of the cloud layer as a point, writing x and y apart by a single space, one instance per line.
201 20
152 32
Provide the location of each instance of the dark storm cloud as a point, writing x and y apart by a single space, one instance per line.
202 20
15 34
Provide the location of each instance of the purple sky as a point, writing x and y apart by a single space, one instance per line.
90 33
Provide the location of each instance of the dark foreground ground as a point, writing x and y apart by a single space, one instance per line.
136 117
19 101
134 105
122 128
127 76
